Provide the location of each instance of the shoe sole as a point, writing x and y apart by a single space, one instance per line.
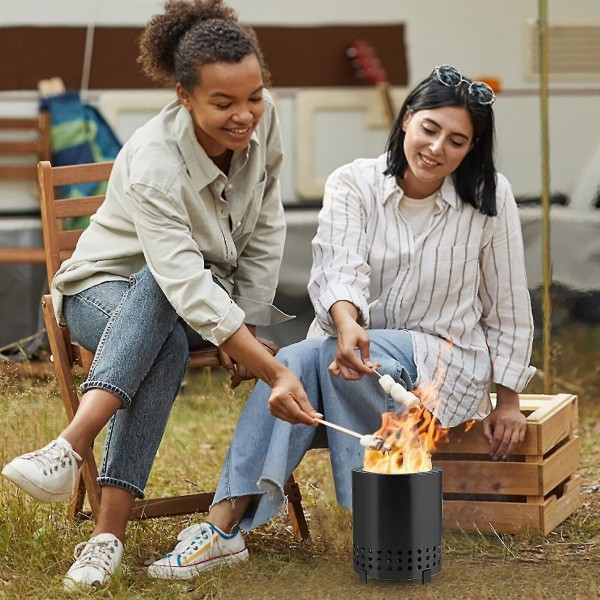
32 488
166 572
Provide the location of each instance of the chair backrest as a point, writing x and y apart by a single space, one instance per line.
59 242
23 142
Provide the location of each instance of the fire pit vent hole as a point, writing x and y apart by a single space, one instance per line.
390 560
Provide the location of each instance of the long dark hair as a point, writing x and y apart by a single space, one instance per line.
475 177
191 34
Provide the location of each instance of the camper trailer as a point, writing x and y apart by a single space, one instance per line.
332 111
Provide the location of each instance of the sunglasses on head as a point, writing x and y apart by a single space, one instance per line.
479 91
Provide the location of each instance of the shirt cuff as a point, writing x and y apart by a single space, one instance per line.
512 375
260 313
339 294
229 323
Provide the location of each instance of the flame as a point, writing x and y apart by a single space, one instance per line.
412 436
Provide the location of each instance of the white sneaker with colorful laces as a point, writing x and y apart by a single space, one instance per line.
201 547
48 474
96 562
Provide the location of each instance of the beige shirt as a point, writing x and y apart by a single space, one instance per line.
169 207
459 287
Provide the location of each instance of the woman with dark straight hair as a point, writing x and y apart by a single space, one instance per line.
418 271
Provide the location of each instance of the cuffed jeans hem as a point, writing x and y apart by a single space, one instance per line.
124 485
271 499
124 397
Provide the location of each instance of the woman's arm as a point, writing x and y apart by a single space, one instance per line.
257 269
340 271
508 324
288 400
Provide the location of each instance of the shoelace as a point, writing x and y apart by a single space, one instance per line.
53 458
187 536
95 553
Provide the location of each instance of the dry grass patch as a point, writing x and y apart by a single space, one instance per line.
36 541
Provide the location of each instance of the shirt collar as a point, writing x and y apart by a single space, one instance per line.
201 168
446 193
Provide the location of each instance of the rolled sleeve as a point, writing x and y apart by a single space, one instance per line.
512 375
507 316
178 266
340 270
337 294
257 270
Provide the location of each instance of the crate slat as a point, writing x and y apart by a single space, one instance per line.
513 517
556 510
559 466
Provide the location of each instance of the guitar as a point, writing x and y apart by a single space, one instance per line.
368 67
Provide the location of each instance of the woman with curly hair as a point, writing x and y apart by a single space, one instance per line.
184 253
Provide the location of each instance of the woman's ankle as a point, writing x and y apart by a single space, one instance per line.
227 514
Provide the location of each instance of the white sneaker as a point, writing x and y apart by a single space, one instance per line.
96 561
201 547
48 474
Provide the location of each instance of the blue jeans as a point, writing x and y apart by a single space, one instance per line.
141 351
265 451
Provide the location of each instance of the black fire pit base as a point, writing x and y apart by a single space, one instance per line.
397 525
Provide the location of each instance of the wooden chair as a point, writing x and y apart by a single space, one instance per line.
23 142
59 244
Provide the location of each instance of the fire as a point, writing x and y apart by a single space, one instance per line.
412 436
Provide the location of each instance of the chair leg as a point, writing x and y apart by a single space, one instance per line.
75 510
295 510
63 363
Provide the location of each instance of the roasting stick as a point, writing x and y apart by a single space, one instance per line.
373 442
338 427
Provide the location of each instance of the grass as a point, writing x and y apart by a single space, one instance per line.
36 541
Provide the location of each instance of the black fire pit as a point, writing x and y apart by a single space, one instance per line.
397 525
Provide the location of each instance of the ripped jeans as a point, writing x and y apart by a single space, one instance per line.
265 451
141 351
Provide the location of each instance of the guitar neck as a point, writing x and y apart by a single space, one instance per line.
385 93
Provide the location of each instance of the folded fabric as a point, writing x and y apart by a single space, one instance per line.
79 134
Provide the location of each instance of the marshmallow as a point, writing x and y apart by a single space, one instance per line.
387 382
373 442
402 396
412 403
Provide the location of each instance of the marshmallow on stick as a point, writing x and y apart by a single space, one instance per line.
398 392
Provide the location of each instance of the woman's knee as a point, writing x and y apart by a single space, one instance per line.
175 350
301 356
328 351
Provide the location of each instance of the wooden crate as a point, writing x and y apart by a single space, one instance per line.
535 490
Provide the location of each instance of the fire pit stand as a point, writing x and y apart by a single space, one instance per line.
397 525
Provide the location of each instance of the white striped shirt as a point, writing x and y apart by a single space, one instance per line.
460 287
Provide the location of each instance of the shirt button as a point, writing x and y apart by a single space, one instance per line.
229 186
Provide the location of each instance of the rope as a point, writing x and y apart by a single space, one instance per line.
545 147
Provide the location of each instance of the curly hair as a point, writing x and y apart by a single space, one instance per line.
191 34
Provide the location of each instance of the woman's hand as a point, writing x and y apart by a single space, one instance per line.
351 336
505 427
289 402
237 371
